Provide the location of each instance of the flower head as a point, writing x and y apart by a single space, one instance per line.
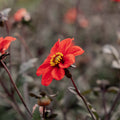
70 15
62 55
5 43
116 0
21 14
83 22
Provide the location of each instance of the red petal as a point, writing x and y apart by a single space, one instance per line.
58 73
47 77
4 45
65 44
42 68
75 50
55 47
68 60
1 39
10 38
20 14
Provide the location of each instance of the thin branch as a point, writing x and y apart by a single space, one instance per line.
10 61
25 45
104 101
4 88
82 97
18 109
7 28
113 106
12 101
44 112
15 87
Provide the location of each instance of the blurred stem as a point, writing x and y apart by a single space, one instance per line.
43 117
65 114
77 17
108 117
15 87
26 93
104 100
7 28
10 62
24 44
8 32
4 88
113 106
12 102
43 112
82 97
18 109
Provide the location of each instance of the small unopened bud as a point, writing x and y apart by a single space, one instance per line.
44 101
67 73
43 98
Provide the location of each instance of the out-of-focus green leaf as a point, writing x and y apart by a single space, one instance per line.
109 49
86 92
116 64
27 65
96 116
96 90
21 79
52 116
113 89
72 90
94 112
36 114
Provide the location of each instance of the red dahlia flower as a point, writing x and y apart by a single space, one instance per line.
62 55
5 43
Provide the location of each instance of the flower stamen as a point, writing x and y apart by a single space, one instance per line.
56 59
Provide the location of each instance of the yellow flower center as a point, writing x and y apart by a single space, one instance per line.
56 59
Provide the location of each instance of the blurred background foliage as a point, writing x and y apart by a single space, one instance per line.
94 67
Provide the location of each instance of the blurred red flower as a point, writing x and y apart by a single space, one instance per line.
116 0
5 43
82 21
62 55
21 14
70 15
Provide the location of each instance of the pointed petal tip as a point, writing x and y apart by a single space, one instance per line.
38 73
72 38
59 39
44 84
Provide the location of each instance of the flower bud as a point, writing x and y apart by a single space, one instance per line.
67 73
44 101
